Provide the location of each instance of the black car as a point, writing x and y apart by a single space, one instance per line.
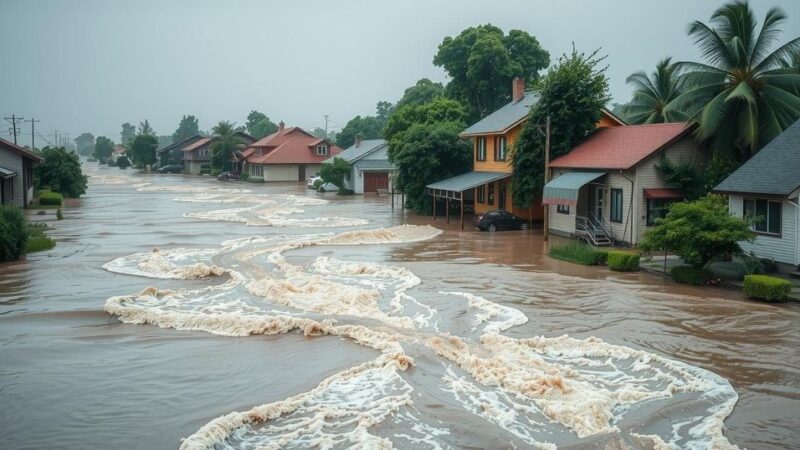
171 168
225 176
499 220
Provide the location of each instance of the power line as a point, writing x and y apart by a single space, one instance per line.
14 129
33 128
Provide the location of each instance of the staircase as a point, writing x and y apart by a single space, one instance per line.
593 231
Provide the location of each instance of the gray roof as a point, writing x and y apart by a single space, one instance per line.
460 183
505 117
775 170
352 154
180 144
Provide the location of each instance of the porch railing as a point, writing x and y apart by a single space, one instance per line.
593 230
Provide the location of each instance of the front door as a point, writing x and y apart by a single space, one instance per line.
301 172
596 202
501 196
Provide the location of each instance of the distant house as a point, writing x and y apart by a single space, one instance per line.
173 153
198 154
767 187
117 152
371 168
289 154
609 187
16 174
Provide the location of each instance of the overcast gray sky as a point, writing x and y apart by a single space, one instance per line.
89 65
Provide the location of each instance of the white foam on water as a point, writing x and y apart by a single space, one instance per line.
177 263
496 317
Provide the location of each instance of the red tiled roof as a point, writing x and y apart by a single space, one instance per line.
663 193
620 147
20 150
288 146
198 144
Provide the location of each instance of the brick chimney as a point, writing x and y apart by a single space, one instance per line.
517 89
358 140
281 126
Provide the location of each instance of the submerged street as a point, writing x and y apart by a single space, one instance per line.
170 301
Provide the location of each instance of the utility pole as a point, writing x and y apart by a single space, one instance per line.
326 126
14 130
33 128
547 177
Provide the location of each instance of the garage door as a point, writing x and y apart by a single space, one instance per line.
375 180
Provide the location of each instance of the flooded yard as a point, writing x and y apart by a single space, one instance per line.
238 315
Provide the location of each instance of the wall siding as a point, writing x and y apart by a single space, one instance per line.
782 249
12 160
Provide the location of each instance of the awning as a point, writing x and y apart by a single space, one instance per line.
563 190
7 173
664 193
469 180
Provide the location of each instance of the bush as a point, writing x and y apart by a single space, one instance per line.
39 243
317 184
244 176
61 169
690 275
59 214
50 198
14 233
579 253
215 172
254 180
765 287
623 262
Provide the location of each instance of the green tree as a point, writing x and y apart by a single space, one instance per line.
103 147
128 133
742 96
698 231
319 132
258 125
143 150
335 172
189 126
369 127
85 144
652 94
61 170
572 94
481 62
439 110
123 162
145 128
14 233
226 142
423 91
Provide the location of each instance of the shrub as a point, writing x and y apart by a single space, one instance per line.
579 253
14 234
623 262
254 180
244 176
765 287
215 172
317 184
39 243
61 169
690 275
59 214
50 198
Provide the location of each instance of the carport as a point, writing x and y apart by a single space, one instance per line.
453 189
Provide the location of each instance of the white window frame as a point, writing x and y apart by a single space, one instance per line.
322 150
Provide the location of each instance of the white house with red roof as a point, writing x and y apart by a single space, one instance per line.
609 188
289 154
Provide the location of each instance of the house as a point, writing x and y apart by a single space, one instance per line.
197 155
117 152
489 184
767 187
371 169
289 154
609 188
173 153
16 174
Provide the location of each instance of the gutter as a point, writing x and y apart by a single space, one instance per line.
797 228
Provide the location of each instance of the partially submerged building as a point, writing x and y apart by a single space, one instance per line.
289 154
371 169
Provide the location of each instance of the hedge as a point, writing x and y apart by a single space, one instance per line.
14 233
690 275
244 176
765 287
623 261
39 243
579 253
50 198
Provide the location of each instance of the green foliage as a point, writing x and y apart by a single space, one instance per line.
423 91
50 198
123 162
698 231
244 176
579 253
573 94
687 175
623 261
38 240
744 95
205 169
85 144
258 125
189 126
145 128
14 233
103 147
317 184
653 94
695 276
61 170
59 214
439 110
368 127
143 150
226 141
481 62
215 172
127 134
765 287
336 172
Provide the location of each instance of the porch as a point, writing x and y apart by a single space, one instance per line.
459 189
577 203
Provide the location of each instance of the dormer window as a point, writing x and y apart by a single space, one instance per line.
322 149
259 152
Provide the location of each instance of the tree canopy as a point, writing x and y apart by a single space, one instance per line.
423 91
127 134
85 143
258 125
225 143
482 61
145 128
103 147
368 127
652 95
143 150
61 170
335 173
189 126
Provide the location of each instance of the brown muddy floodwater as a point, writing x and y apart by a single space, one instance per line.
185 312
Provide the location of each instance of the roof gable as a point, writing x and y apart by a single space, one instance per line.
366 148
289 146
179 144
24 152
504 118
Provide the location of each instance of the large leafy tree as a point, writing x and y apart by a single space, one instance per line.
258 125
573 94
652 95
127 134
742 96
143 150
423 91
61 170
189 126
145 128
439 110
103 147
225 143
85 143
482 60
335 172
368 127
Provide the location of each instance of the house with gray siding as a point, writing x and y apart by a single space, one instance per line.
173 153
371 169
767 189
16 174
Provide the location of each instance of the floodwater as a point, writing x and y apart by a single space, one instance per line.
184 312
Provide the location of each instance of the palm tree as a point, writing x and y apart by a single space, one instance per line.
226 142
652 94
743 96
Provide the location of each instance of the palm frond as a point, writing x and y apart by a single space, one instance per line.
769 34
774 59
712 46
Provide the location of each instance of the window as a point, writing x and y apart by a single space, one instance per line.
562 209
256 170
500 148
480 149
491 194
259 152
616 205
322 149
481 193
767 215
657 208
